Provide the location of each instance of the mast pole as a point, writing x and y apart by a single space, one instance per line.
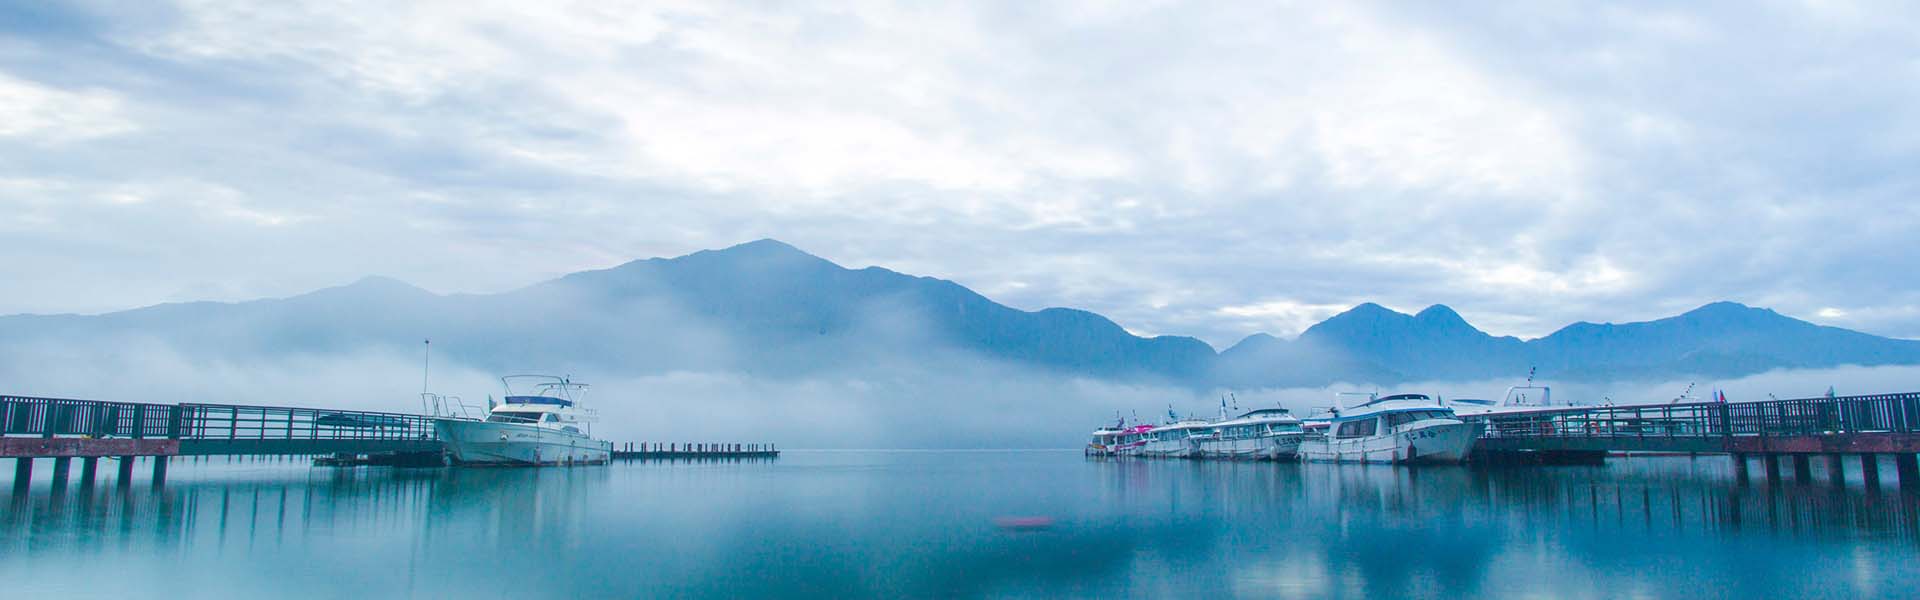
426 364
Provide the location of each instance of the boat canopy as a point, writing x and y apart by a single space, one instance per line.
539 400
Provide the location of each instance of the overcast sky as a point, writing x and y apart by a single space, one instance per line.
1212 170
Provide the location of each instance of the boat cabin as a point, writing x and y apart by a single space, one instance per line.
1386 414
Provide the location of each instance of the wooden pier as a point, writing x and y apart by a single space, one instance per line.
65 429
1836 428
677 450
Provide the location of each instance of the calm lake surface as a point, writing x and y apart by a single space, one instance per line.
930 524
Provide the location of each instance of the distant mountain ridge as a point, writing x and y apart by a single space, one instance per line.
1370 343
767 308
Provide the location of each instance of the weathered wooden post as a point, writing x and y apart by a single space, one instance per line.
1837 470
1870 471
1802 468
89 467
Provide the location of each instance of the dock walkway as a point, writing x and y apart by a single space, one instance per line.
1833 427
64 429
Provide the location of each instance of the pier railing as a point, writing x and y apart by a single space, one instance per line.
48 417
1699 424
235 422
218 428
1894 413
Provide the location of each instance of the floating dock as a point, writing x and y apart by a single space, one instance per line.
676 450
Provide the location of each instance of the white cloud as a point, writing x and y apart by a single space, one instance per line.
1282 317
34 111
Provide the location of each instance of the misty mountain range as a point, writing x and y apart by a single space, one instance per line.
767 308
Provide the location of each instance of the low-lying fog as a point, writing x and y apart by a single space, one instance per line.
934 400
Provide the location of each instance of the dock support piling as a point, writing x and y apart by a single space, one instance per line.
1907 467
1870 471
89 467
126 472
62 467
22 475
1771 462
1837 470
1802 468
1740 468
159 471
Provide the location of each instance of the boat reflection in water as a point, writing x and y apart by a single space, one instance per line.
934 524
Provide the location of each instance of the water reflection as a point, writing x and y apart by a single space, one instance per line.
923 524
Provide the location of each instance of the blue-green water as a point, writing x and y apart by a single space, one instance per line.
924 524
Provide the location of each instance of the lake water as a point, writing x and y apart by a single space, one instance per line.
937 524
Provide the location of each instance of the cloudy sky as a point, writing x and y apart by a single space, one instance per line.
1209 170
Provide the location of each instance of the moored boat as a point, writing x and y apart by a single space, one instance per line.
1105 442
1263 434
540 425
1179 439
1133 440
1401 428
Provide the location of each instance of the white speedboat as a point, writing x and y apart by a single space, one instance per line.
1264 434
1402 428
540 424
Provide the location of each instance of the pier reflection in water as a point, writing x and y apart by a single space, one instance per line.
898 524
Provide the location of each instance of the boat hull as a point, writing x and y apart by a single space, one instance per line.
507 444
1274 447
1170 449
1432 441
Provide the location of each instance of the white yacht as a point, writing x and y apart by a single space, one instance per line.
541 423
1402 428
1263 434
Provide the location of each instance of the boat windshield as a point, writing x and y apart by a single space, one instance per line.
1402 418
513 417
539 400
